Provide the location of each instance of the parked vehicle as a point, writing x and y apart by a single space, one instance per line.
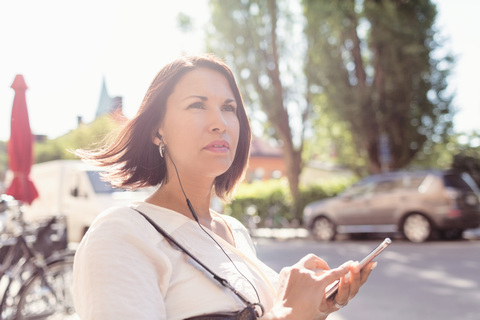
417 204
75 190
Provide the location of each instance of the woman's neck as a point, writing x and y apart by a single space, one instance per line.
172 196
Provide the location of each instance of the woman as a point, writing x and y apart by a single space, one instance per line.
190 137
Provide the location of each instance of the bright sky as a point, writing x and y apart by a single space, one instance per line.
64 48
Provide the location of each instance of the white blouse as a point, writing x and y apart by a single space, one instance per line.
125 269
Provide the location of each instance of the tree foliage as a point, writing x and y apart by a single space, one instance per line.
3 161
332 141
357 70
378 65
84 137
460 152
257 39
441 155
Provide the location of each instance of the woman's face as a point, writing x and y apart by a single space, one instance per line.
201 127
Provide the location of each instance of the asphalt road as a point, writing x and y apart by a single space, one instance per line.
435 280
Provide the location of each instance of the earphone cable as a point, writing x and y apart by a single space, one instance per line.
194 214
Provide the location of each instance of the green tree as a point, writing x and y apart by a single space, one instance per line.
260 41
84 137
379 67
460 152
3 161
332 141
440 155
368 69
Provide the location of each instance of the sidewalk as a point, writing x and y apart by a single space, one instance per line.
472 234
302 233
280 233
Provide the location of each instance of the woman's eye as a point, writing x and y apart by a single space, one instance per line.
196 105
229 108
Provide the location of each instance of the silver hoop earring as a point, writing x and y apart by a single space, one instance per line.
161 149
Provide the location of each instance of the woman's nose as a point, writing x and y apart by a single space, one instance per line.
218 122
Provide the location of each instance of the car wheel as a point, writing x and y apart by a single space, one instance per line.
323 229
417 228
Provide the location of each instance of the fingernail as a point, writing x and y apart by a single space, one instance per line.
374 265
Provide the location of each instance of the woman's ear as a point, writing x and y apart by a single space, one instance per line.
157 138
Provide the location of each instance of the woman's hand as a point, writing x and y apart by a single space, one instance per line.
348 287
301 293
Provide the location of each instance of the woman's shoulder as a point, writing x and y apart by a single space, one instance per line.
241 234
112 218
232 222
119 232
132 217
117 225
122 222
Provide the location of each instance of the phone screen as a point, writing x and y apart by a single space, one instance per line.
331 290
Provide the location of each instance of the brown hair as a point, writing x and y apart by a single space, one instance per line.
133 160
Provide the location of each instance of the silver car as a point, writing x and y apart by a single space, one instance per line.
417 204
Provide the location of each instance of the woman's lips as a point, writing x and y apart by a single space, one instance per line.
218 146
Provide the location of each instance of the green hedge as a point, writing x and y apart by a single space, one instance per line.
272 202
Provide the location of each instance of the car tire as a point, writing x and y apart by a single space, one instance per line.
417 228
323 229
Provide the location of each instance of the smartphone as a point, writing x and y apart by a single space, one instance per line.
333 288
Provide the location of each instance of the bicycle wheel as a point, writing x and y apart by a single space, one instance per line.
10 299
48 296
11 286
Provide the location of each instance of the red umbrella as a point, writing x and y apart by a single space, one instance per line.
20 146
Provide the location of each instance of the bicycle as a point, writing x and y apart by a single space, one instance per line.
36 267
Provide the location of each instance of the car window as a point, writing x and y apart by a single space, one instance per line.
469 180
412 182
456 181
100 186
402 182
385 186
360 189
